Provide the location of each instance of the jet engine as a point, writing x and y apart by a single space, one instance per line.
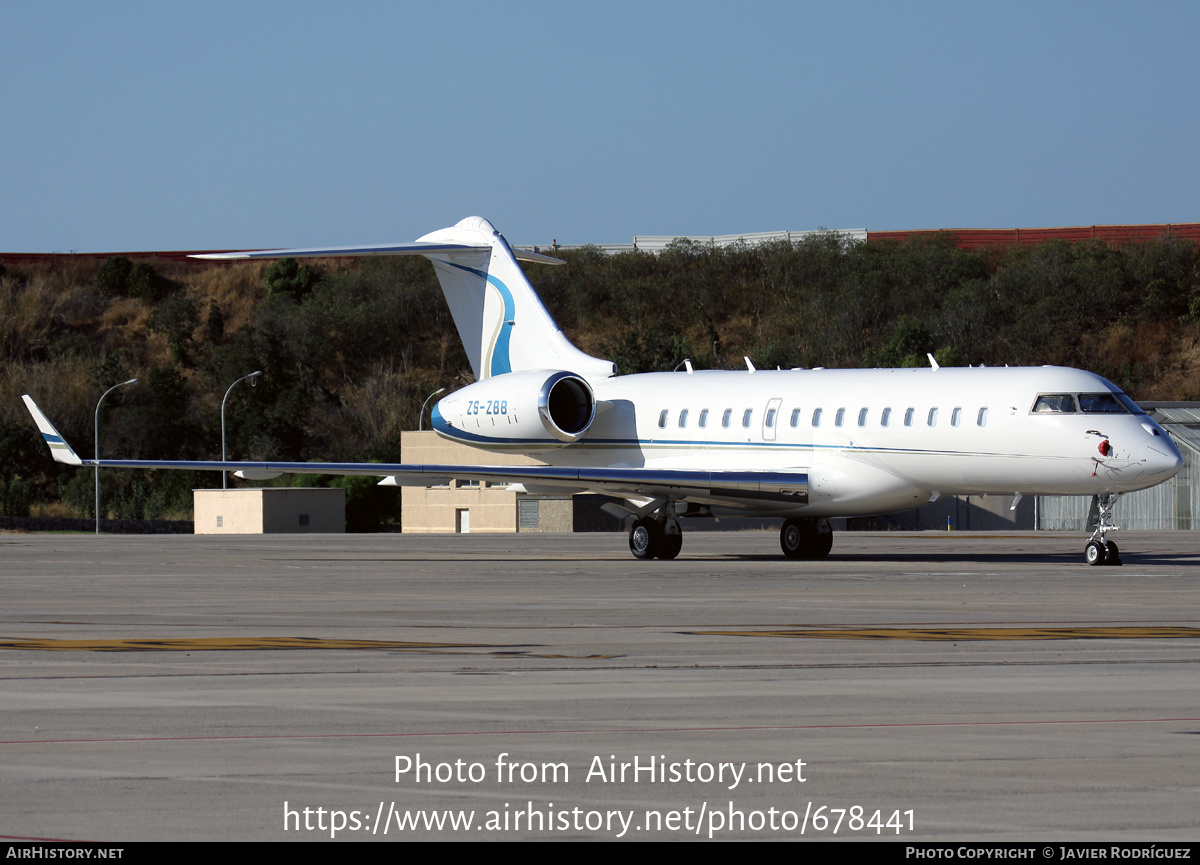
550 407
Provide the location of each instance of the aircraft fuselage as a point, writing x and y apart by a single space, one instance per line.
871 440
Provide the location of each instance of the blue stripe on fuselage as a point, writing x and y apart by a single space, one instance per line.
500 362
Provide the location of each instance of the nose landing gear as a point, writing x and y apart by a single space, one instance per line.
1099 550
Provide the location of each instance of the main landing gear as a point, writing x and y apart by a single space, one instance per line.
659 537
1100 550
806 538
655 538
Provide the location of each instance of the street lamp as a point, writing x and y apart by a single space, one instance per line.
421 419
97 449
253 381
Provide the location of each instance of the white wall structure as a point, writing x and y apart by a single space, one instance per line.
657 243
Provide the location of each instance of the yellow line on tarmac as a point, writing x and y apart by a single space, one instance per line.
212 644
964 634
225 644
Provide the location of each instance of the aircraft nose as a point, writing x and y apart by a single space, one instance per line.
1162 458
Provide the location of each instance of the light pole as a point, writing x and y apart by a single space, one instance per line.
253 380
97 449
421 419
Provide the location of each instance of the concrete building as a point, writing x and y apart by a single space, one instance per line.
269 510
474 506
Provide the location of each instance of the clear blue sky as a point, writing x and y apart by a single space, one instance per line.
166 125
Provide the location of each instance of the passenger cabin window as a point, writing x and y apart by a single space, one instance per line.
908 417
795 417
703 418
770 417
683 418
725 418
981 420
886 417
1055 403
840 417
862 417
746 417
662 419
956 416
816 417
932 419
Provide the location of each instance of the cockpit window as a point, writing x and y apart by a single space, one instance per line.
1060 403
1129 404
1100 403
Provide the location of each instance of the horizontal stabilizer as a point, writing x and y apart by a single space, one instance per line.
415 248
336 251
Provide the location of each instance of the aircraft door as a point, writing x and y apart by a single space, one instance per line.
771 419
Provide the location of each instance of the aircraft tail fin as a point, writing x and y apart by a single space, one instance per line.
503 324
59 449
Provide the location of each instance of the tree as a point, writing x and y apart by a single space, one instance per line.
113 276
176 318
908 346
144 283
287 277
214 325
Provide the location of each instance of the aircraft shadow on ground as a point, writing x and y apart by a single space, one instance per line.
1065 557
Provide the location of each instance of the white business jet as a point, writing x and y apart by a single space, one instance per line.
803 444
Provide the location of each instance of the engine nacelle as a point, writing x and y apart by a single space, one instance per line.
542 407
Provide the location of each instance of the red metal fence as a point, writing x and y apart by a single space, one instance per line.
975 238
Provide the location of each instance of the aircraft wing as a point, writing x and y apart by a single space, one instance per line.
784 486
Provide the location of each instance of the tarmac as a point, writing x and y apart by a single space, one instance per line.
913 687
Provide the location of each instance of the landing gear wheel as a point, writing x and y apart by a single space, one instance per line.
805 538
671 545
645 539
1100 550
792 538
823 542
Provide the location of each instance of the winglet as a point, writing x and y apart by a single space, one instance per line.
59 449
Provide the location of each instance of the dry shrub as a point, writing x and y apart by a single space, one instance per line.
27 317
1161 359
125 324
236 288
379 407
61 386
